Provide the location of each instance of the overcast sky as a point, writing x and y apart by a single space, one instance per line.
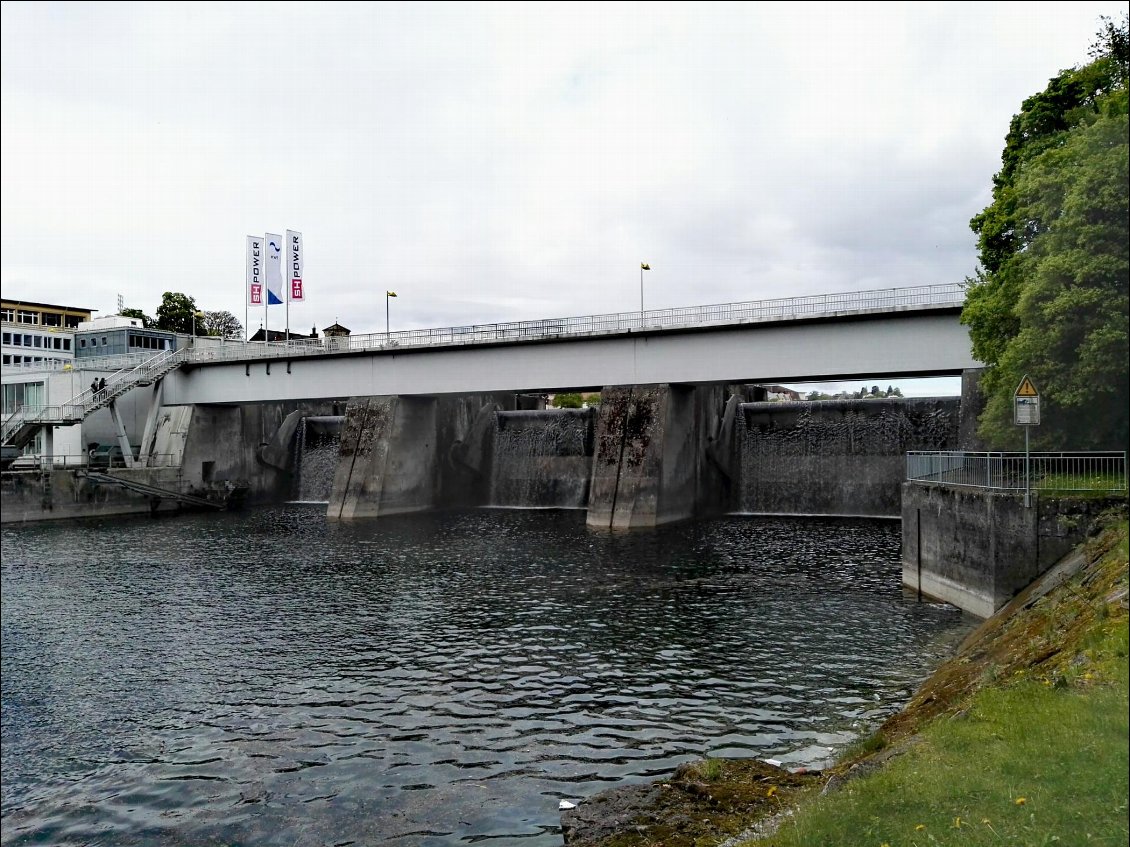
495 162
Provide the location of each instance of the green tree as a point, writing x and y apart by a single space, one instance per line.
176 312
1050 297
222 324
146 321
568 400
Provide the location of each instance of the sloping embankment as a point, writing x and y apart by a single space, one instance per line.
1046 634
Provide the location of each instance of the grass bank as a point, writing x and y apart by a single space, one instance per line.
1019 739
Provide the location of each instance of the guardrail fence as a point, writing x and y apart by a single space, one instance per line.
1067 471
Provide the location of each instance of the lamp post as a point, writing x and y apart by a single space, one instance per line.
388 294
644 266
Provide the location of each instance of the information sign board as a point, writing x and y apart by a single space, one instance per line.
1026 404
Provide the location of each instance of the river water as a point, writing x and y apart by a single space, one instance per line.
267 677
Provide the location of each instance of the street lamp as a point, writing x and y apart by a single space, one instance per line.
644 266
388 294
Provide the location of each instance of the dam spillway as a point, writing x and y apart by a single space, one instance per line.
542 459
836 457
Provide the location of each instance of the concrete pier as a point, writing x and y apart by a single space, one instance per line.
387 463
644 467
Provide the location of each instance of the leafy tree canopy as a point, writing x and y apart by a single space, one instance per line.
1050 297
146 321
222 324
176 313
568 400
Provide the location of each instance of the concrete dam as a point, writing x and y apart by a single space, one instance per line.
648 455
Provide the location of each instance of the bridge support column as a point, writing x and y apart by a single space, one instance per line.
150 434
646 460
123 439
388 460
48 448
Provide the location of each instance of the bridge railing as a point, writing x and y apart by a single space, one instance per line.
1067 471
786 308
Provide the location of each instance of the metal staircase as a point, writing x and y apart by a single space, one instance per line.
21 427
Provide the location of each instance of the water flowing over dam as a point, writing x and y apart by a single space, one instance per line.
317 443
542 459
836 457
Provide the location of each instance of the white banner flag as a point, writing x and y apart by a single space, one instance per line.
254 270
274 269
294 288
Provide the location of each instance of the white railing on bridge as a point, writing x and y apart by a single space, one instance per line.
1095 471
787 308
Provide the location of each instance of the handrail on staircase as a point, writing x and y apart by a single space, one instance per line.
87 401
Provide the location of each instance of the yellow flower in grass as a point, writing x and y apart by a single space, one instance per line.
772 790
1020 801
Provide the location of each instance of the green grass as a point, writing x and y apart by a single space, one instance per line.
1064 485
1037 756
1028 764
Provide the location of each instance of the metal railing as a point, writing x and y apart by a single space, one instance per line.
35 462
787 308
1068 471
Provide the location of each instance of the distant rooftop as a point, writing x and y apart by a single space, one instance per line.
9 302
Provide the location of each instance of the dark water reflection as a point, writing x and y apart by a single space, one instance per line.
268 678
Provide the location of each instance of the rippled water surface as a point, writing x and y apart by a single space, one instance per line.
267 677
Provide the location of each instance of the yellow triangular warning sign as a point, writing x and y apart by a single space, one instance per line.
1027 389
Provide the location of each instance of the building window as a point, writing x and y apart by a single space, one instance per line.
72 321
26 317
7 315
52 319
66 344
37 340
82 343
7 338
21 394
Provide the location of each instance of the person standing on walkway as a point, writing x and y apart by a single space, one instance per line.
102 388
94 389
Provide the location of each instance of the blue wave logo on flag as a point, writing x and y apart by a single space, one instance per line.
273 299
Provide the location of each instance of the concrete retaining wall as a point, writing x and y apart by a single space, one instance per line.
250 445
32 496
976 549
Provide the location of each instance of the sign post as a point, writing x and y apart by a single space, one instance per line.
1026 413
